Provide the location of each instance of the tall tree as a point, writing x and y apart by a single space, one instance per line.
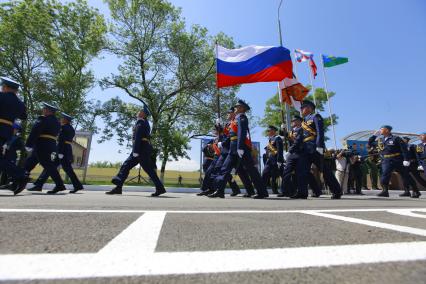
273 109
165 65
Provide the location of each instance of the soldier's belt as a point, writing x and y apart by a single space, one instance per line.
391 155
5 121
68 142
233 138
310 138
306 127
47 136
209 158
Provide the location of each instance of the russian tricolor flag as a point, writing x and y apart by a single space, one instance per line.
252 64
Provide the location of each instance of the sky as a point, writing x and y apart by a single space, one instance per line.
383 83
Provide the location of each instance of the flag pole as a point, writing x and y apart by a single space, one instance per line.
217 86
328 102
286 106
312 84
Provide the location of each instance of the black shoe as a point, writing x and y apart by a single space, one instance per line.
56 189
35 188
116 181
416 194
75 190
217 194
248 195
282 195
260 196
205 192
298 196
158 192
336 196
406 194
235 193
20 185
315 195
115 190
384 193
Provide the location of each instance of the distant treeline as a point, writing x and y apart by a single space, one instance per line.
106 164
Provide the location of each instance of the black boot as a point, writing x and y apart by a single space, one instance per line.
158 192
57 189
385 191
205 192
75 190
19 185
35 188
217 194
416 194
115 190
406 193
235 192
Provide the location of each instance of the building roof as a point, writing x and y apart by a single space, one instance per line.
365 134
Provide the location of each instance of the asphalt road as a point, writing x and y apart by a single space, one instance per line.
181 238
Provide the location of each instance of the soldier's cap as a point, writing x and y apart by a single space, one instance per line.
387 127
10 83
406 138
17 126
271 127
50 107
297 118
146 110
307 103
66 116
231 110
243 104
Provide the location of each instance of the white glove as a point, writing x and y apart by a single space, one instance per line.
279 165
406 163
320 150
283 126
240 153
218 121
28 149
377 133
135 155
420 168
219 145
286 155
60 156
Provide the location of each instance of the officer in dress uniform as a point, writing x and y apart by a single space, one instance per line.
65 157
421 152
313 146
41 143
414 164
141 154
274 160
239 153
295 160
394 154
11 108
11 149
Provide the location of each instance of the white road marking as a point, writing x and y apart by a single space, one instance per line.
403 229
407 212
132 252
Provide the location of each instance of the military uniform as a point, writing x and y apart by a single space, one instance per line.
10 151
372 162
64 158
421 155
414 164
42 143
313 142
141 154
275 158
393 152
11 108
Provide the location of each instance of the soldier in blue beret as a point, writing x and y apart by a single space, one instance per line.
274 160
11 109
41 143
65 156
395 157
141 154
414 164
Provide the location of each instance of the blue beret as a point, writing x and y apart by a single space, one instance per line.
307 103
66 116
146 110
243 104
50 107
387 127
10 83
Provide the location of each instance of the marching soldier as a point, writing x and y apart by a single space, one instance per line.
41 143
11 108
239 154
10 150
394 154
421 152
65 157
274 159
414 164
372 162
141 154
313 146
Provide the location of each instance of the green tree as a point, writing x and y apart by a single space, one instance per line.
273 109
167 66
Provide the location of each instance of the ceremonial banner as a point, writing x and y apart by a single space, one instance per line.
293 92
330 61
252 64
302 56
